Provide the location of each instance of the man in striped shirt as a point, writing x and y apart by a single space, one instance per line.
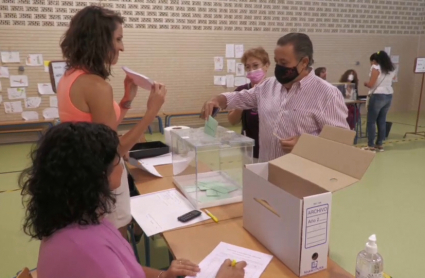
293 102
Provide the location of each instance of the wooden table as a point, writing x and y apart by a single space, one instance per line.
197 241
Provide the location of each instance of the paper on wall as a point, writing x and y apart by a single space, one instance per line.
30 115
395 79
220 80
239 81
420 65
4 72
240 69
51 113
34 60
231 66
10 57
45 89
46 66
230 81
239 50
218 63
230 51
395 59
13 107
32 102
16 93
18 81
388 50
1 99
58 70
53 101
0 87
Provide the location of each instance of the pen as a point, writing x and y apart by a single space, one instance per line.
212 216
233 263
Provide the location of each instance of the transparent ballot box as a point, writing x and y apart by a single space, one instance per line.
348 90
208 170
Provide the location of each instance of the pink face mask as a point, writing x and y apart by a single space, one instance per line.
256 76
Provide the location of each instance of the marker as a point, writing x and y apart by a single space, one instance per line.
212 216
234 263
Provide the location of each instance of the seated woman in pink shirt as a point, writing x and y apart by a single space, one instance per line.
68 190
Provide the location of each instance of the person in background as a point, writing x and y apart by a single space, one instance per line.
256 62
68 192
293 102
350 76
90 46
321 72
380 95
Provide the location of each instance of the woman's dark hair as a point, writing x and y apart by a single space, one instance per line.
88 42
344 78
383 60
68 180
318 71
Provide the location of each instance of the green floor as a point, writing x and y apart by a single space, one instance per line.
388 202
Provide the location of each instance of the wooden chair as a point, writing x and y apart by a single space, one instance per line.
26 273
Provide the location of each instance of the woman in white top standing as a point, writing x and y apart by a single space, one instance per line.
382 73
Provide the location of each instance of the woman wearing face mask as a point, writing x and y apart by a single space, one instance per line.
350 76
256 62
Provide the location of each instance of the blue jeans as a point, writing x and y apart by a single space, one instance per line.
379 104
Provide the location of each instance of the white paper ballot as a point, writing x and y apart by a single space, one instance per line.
32 102
30 115
239 81
51 113
218 63
4 72
16 93
395 59
230 81
10 57
230 51
157 212
18 81
13 107
53 101
45 89
139 79
239 50
256 261
240 69
34 60
388 50
231 66
220 80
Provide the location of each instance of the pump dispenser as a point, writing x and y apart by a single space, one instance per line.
370 263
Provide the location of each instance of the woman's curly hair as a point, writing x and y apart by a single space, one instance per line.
88 42
68 180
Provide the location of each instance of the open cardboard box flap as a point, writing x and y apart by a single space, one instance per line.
320 164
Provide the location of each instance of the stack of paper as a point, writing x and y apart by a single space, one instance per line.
158 212
256 261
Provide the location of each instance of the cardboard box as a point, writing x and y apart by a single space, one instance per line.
287 201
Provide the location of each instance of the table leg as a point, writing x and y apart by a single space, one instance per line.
160 125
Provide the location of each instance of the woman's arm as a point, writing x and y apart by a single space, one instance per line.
373 77
235 116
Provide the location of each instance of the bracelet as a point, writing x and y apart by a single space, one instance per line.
159 275
126 104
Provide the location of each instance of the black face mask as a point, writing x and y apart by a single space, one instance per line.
285 75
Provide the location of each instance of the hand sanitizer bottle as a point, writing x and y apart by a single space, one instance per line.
370 263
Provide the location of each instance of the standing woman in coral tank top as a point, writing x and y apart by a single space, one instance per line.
91 45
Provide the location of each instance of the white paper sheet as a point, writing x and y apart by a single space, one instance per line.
157 212
388 50
256 261
230 81
58 70
218 63
231 66
13 107
230 51
139 79
148 168
53 101
18 81
51 113
420 65
34 60
395 79
240 69
10 57
395 59
46 66
32 102
239 81
45 89
4 72
239 50
157 160
30 115
219 80
16 93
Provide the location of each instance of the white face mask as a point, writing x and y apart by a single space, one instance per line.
351 77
